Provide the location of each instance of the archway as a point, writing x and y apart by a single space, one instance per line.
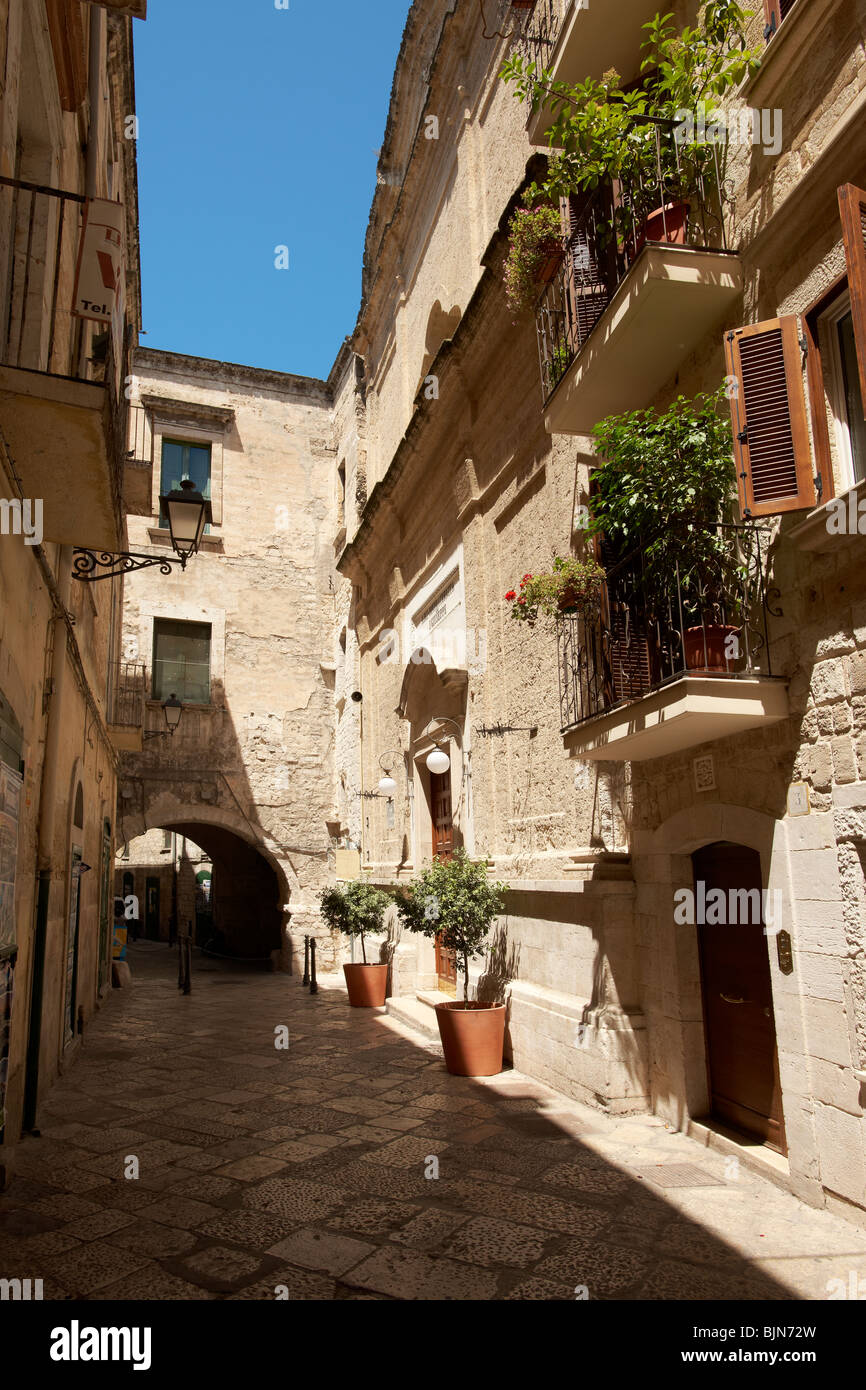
247 901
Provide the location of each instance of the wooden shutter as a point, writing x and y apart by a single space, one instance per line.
68 33
852 207
768 408
590 294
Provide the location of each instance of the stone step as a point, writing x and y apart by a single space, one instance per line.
415 1012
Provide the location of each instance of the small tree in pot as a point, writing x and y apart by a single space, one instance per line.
664 485
356 909
456 901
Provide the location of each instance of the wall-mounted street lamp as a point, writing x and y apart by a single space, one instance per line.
438 762
387 784
187 514
172 710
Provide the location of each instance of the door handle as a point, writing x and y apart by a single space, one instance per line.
728 1000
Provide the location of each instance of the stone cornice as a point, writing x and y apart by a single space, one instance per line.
178 364
210 417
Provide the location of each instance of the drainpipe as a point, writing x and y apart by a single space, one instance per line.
91 168
45 841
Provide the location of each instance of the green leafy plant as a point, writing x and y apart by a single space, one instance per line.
557 363
455 900
665 484
535 236
571 585
600 133
355 909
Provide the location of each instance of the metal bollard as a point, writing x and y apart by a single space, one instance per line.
306 979
314 988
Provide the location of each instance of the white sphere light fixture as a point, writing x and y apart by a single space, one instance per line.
438 762
387 786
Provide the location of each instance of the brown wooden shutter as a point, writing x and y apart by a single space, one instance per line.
768 409
590 293
68 33
852 208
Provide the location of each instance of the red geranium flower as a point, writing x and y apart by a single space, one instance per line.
510 596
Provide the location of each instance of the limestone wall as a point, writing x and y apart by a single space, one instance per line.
258 758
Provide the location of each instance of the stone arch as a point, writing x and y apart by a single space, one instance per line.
165 811
441 326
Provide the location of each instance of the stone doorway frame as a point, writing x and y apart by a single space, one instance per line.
673 999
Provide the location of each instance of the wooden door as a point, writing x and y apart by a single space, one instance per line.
443 848
740 1025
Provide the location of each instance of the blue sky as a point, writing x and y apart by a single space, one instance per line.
259 128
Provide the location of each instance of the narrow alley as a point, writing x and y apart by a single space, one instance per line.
350 1165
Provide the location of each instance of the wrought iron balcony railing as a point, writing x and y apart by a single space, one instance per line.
648 635
128 693
541 31
678 197
140 436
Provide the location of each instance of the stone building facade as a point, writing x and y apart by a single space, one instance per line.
67 151
243 637
476 472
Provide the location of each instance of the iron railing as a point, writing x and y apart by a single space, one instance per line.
649 634
128 694
541 31
678 196
139 436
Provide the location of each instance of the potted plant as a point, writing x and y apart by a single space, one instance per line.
455 900
356 909
535 252
569 586
637 140
664 487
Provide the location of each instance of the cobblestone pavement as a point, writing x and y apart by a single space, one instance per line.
306 1170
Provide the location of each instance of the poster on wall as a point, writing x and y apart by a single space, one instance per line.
10 801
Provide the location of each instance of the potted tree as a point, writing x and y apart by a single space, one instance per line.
570 586
356 909
664 487
456 900
637 141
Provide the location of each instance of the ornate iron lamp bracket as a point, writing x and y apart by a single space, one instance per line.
89 566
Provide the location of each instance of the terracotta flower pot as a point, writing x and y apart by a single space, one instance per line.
705 648
367 985
667 224
553 257
472 1036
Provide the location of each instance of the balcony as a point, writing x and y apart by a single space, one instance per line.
576 39
138 465
127 696
62 403
646 274
663 671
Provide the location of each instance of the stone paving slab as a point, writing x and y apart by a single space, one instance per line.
352 1166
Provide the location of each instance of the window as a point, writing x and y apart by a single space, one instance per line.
166 841
179 461
842 378
776 11
181 661
341 494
